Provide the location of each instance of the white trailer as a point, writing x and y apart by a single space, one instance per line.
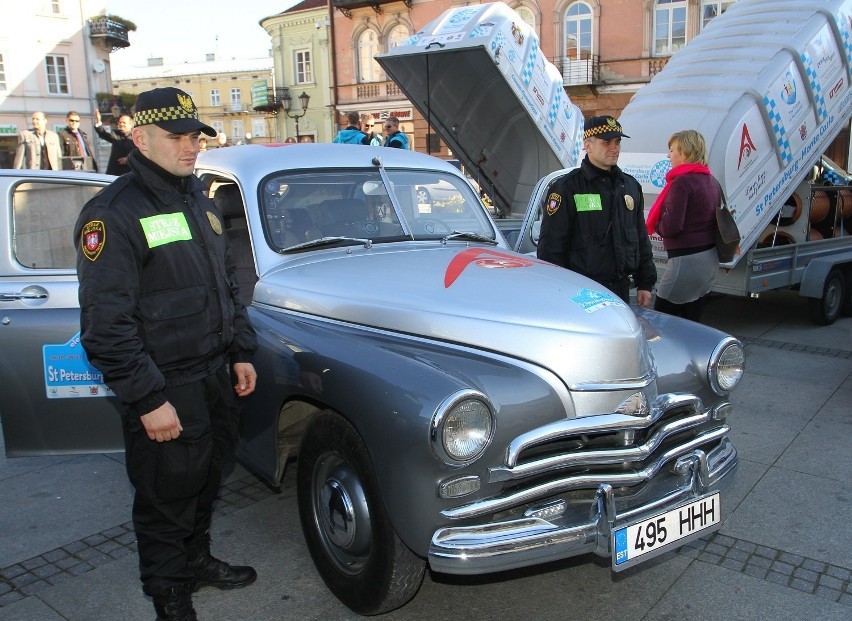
768 85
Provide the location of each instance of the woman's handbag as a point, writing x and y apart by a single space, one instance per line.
727 233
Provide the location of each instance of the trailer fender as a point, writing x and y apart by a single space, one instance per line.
815 274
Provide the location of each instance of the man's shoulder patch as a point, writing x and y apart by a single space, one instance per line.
92 239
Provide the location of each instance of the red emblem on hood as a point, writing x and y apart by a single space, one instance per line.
483 258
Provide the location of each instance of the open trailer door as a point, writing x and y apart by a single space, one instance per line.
477 74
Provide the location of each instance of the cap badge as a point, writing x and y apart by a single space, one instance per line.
185 102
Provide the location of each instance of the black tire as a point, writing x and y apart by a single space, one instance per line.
351 540
825 310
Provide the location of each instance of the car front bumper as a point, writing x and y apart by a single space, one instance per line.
514 543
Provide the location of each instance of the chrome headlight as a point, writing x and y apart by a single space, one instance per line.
462 427
727 365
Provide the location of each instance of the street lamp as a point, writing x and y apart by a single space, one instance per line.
287 102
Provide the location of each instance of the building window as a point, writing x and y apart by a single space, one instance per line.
2 74
219 126
238 132
258 128
57 74
397 36
368 46
304 70
713 8
214 97
51 7
669 26
578 31
527 16
236 99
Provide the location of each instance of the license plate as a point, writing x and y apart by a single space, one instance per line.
643 540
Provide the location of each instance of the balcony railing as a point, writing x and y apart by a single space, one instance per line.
111 33
274 100
378 91
585 70
346 6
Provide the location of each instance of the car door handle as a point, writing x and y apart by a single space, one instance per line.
11 297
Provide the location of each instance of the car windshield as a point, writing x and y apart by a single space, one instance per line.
302 208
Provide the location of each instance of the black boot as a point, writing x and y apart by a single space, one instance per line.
208 570
175 604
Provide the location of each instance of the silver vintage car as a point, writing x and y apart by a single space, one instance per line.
446 401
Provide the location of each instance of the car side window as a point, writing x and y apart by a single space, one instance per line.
43 218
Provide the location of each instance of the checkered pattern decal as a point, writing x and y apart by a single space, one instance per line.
811 75
845 36
780 131
529 65
159 115
555 104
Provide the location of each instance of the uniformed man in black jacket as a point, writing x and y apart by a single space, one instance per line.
593 220
161 318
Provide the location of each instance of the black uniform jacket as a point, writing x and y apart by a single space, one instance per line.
593 222
159 302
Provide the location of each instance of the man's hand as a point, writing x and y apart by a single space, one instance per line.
643 298
97 114
162 424
246 378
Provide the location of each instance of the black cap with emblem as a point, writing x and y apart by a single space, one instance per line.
170 109
603 127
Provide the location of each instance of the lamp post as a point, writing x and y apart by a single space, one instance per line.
287 102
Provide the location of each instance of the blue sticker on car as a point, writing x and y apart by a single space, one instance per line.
68 374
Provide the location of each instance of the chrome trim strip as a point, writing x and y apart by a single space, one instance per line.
546 375
599 457
636 383
603 423
629 479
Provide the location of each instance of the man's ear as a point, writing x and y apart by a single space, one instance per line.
140 138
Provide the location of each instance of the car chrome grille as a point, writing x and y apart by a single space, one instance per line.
580 454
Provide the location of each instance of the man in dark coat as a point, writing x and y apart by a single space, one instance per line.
75 142
121 141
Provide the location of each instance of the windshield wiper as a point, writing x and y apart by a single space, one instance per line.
327 241
468 235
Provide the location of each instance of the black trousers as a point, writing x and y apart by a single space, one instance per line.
689 310
176 482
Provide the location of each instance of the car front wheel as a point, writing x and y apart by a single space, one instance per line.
351 540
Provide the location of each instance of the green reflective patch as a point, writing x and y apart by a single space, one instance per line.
588 202
165 229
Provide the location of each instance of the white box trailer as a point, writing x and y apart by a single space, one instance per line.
768 85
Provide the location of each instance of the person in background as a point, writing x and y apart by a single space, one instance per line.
75 142
202 144
593 218
38 148
121 141
161 318
684 215
351 134
393 137
375 139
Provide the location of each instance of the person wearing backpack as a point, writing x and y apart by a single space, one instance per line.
351 134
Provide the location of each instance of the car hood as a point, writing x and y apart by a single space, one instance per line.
472 295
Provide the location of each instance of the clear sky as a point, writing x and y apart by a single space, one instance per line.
183 31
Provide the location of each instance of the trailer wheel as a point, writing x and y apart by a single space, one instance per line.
825 310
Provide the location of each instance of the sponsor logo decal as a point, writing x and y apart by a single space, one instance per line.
747 147
483 258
